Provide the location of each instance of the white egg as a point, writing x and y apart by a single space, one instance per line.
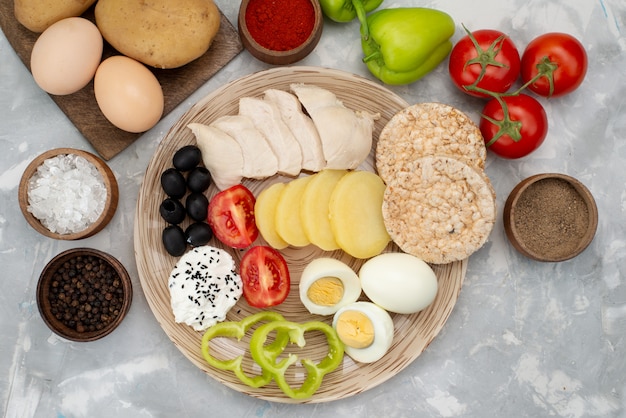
365 329
399 282
327 284
65 56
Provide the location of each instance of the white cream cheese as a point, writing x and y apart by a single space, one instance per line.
204 286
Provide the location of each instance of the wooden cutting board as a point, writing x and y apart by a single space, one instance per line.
81 107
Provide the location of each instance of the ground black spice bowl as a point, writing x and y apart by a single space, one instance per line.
83 294
274 56
550 217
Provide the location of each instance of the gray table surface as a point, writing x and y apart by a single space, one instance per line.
526 339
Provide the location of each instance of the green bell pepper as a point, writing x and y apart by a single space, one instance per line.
402 45
267 359
233 329
347 10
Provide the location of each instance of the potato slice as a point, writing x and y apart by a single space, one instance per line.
356 215
265 215
314 212
288 224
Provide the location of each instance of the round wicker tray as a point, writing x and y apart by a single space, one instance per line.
413 332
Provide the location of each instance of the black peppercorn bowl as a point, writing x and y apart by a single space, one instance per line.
83 294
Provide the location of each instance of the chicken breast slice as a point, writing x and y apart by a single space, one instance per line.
259 161
301 126
221 155
346 134
266 117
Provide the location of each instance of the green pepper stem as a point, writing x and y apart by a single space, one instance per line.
359 8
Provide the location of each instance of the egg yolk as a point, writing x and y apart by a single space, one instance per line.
355 329
326 291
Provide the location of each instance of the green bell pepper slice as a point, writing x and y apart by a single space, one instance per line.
402 45
346 10
233 329
266 356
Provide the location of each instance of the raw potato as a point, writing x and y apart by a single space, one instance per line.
288 224
314 212
159 33
265 215
356 214
38 15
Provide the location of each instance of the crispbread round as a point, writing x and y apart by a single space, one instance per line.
425 129
439 209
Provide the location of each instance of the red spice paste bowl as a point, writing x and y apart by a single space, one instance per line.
550 217
280 32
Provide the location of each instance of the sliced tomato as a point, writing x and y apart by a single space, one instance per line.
265 276
231 217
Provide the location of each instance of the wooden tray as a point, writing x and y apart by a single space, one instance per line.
81 107
413 332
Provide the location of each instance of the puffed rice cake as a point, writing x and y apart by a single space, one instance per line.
439 209
425 129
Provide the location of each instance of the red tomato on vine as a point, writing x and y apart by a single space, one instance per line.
484 60
516 131
554 64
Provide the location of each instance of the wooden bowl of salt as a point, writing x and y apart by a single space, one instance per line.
550 217
68 194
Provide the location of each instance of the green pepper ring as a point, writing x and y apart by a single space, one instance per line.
266 355
233 329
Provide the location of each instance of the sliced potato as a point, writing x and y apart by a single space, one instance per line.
265 215
356 215
314 212
288 224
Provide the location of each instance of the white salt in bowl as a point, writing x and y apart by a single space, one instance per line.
76 231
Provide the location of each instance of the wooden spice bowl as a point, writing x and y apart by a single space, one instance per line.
550 217
92 293
274 57
110 205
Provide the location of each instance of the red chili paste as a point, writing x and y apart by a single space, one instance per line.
280 25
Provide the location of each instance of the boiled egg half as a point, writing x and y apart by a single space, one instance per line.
327 284
365 329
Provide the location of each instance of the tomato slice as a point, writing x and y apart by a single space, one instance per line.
265 276
231 216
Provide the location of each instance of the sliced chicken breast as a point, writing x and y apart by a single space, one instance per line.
346 134
266 117
301 126
221 155
259 161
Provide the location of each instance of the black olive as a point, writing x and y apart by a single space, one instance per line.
197 206
173 183
198 179
187 157
174 240
172 211
198 233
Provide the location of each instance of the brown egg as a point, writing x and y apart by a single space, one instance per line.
65 57
128 94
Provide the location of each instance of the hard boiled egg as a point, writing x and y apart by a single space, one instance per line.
327 284
365 329
128 94
398 282
65 57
